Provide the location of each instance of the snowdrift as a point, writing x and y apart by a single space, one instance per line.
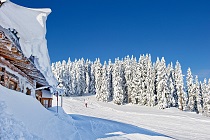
23 117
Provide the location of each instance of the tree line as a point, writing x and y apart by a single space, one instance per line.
135 81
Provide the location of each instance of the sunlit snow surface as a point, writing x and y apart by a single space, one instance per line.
31 27
23 117
169 122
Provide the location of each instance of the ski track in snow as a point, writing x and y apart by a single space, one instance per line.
169 122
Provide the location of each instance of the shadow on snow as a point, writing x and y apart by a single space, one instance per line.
95 128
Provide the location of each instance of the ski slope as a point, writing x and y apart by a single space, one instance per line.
145 120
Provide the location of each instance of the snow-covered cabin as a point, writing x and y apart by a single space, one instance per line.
24 58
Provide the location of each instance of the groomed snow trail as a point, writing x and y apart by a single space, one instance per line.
170 122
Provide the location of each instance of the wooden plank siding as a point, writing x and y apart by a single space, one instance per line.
46 102
12 61
10 52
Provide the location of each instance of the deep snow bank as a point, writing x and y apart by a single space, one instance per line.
12 128
22 116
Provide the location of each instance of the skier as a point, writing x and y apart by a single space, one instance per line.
85 103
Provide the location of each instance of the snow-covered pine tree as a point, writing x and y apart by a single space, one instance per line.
68 79
80 75
144 85
206 105
173 98
92 89
88 75
109 80
149 80
74 78
162 87
130 66
127 65
190 91
105 92
57 69
179 84
98 78
198 96
136 83
61 74
118 87
156 82
206 98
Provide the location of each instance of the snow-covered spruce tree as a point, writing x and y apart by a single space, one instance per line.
144 85
152 89
156 82
162 87
88 75
136 84
140 84
198 96
105 92
149 80
206 98
179 84
92 89
56 69
130 66
128 76
74 78
173 98
109 80
68 78
61 73
118 82
63 80
80 75
190 91
98 78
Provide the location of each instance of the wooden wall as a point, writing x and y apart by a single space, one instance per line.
9 80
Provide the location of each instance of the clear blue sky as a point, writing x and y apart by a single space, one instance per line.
174 29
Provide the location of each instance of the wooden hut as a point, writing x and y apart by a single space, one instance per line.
18 72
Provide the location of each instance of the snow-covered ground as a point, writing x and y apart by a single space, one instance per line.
23 117
119 120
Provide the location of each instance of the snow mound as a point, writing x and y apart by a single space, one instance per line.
11 128
23 117
31 27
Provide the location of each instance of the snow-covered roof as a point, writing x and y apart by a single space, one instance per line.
31 27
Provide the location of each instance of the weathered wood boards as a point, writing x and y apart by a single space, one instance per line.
14 66
15 57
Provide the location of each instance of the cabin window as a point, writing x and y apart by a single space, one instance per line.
2 78
12 85
45 103
28 92
1 35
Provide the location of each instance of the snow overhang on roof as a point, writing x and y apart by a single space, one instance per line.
2 1
31 27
